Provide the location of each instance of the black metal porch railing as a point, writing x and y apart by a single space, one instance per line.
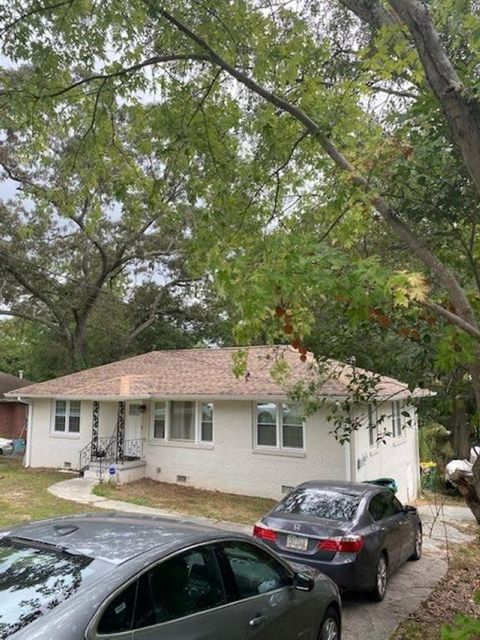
106 451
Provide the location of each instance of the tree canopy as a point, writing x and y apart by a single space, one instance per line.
327 152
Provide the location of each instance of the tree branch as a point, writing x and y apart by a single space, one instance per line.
452 318
128 70
36 11
30 318
421 251
460 106
371 11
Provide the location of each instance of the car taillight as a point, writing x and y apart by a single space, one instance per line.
348 544
263 532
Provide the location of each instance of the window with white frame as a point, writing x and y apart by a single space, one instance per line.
397 426
372 425
279 426
206 426
67 416
183 421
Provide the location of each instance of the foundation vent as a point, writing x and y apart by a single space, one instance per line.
181 478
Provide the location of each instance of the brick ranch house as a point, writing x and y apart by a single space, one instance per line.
182 416
13 412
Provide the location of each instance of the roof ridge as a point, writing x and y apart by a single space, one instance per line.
215 349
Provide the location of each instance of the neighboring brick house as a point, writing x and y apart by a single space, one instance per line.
183 416
13 414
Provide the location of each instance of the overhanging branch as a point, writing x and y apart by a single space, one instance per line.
129 70
389 215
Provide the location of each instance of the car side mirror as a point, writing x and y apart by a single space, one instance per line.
409 509
303 582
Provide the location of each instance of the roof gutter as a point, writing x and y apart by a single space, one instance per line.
401 395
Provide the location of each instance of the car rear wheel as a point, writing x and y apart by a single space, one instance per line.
417 552
330 628
381 577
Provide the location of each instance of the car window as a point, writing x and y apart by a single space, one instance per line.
118 615
34 579
384 505
320 503
250 571
395 505
180 586
378 507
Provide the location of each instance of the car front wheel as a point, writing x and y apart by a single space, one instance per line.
381 577
330 629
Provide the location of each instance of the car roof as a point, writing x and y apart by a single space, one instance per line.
343 486
116 537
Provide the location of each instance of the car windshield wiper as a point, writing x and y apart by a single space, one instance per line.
37 544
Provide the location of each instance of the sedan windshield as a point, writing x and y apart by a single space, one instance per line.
320 503
34 580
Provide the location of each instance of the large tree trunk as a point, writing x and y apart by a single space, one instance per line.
460 428
459 103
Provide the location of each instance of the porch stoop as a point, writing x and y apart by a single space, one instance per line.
126 471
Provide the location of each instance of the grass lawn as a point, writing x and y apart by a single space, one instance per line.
195 502
24 495
452 595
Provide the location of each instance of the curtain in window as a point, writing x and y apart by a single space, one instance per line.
182 420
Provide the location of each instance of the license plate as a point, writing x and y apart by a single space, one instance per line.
297 542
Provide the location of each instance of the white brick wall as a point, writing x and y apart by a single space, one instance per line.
231 463
49 449
398 458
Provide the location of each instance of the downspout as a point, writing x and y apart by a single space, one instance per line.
352 447
347 457
28 450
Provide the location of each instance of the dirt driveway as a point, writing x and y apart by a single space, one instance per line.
413 582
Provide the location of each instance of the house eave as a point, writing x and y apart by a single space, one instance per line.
401 395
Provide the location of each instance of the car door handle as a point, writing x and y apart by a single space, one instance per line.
258 621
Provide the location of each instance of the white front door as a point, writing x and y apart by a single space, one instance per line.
134 419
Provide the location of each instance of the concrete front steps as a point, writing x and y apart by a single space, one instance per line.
121 472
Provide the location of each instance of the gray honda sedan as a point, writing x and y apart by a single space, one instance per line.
357 534
120 576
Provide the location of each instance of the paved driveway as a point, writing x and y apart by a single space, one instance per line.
413 582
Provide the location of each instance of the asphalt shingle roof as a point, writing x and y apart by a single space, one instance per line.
205 372
9 383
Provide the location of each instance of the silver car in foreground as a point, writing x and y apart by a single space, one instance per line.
121 576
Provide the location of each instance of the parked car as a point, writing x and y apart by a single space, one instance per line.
356 533
139 578
6 447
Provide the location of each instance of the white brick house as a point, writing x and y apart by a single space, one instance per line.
182 416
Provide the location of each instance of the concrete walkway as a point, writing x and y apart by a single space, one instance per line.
362 618
81 490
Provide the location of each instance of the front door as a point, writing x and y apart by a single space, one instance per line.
134 427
